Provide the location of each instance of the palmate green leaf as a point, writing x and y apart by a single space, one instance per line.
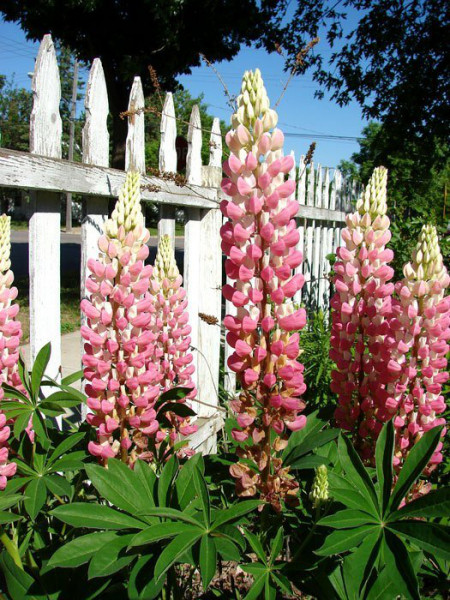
114 484
354 500
358 565
67 444
80 550
255 568
432 537
383 586
8 501
276 546
36 495
270 591
21 422
355 471
311 442
342 540
139 586
255 545
384 453
413 466
434 504
282 582
18 582
233 534
162 531
208 559
40 429
171 513
39 366
234 512
95 516
174 551
184 486
12 392
24 469
17 484
348 518
7 517
202 492
111 557
395 557
176 393
257 587
64 398
309 462
58 485
68 462
147 480
227 549
69 379
23 373
165 481
182 410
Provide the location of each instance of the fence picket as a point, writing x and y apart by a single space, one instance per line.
44 227
167 164
135 144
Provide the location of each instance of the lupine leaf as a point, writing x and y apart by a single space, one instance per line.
111 557
414 464
174 551
8 517
345 519
384 453
396 559
208 560
227 549
256 545
139 586
257 587
432 537
383 586
148 479
58 485
202 491
80 550
309 462
8 501
36 495
17 581
355 471
39 366
232 513
343 540
353 499
115 484
171 513
165 480
276 546
161 531
69 379
12 392
96 516
184 487
68 443
434 504
359 564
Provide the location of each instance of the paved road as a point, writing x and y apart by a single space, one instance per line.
70 251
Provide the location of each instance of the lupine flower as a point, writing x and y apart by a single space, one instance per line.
260 240
10 334
123 378
172 329
420 330
361 309
319 490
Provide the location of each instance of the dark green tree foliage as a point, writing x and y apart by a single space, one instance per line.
128 36
418 183
15 109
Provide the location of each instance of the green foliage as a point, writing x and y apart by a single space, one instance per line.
15 110
380 535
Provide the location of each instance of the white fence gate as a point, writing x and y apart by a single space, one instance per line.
321 216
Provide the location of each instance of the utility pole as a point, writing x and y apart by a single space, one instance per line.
73 112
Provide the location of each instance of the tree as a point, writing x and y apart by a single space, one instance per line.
388 55
418 183
128 36
15 109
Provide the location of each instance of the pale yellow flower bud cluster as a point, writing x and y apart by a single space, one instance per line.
373 199
165 264
319 490
5 243
127 212
427 262
253 103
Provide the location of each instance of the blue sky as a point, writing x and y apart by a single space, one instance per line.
299 112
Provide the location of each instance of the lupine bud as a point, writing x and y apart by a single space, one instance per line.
172 342
260 240
10 334
361 307
319 489
420 330
120 369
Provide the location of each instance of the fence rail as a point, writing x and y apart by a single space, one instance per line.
323 207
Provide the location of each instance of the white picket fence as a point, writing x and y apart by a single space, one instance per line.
322 215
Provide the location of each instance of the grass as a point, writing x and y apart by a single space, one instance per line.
70 304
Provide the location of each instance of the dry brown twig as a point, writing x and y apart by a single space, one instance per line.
299 62
231 99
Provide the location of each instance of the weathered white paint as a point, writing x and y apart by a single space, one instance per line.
310 195
44 227
215 145
135 144
167 164
194 153
22 170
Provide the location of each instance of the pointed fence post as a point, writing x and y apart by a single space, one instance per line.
45 221
135 144
167 164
